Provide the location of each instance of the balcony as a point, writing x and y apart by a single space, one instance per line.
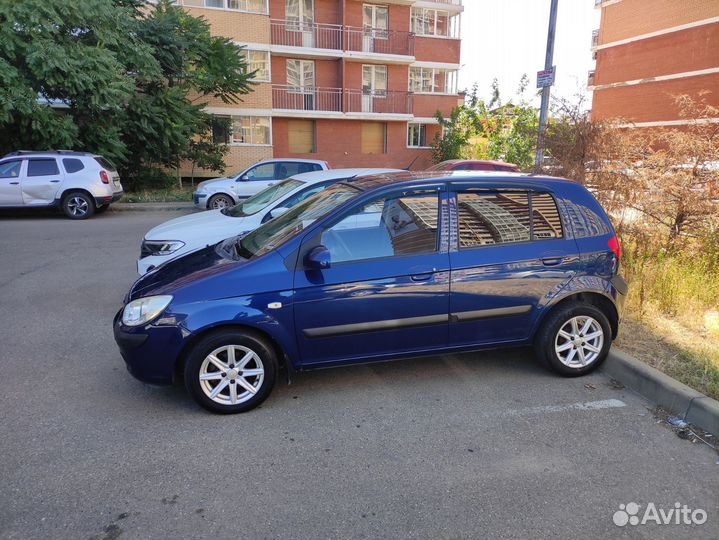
340 101
590 78
335 37
595 39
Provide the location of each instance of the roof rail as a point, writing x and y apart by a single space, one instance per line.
41 152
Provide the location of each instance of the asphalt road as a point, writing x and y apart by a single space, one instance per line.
477 445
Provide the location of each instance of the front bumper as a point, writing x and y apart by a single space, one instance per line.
150 352
108 199
200 200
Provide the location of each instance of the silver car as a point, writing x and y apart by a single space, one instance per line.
80 183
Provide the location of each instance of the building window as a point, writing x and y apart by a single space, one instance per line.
258 61
434 23
253 130
374 80
221 129
417 135
432 80
252 6
301 135
374 138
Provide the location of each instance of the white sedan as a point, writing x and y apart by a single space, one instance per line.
182 235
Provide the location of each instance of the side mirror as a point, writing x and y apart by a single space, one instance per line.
318 258
277 212
243 178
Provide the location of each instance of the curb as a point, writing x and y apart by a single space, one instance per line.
151 207
660 388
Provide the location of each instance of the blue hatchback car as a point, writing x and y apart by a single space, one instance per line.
379 268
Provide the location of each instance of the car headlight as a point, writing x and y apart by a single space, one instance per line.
143 310
160 247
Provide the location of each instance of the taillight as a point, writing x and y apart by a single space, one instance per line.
615 247
104 177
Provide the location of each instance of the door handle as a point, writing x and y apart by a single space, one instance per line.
423 276
54 181
14 183
552 261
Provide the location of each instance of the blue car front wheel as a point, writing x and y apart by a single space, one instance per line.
230 371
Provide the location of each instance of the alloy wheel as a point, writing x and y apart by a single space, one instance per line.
231 374
579 341
220 201
77 206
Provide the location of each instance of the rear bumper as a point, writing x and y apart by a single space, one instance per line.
108 199
622 288
149 352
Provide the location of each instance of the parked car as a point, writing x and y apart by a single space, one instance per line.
473 165
379 268
182 235
80 183
228 191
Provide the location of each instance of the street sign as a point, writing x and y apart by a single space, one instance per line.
546 77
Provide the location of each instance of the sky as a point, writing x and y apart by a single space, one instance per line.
507 38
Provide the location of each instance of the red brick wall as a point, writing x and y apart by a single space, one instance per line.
689 50
652 102
327 72
348 153
427 106
437 50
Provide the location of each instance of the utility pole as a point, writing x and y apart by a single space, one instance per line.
545 79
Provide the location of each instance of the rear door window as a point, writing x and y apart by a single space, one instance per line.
72 165
42 167
490 218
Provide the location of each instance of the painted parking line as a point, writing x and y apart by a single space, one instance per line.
586 406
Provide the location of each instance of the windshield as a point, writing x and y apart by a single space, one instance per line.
260 200
276 232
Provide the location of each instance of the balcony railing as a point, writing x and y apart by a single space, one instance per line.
340 38
306 99
375 40
341 100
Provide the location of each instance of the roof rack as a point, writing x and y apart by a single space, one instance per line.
41 152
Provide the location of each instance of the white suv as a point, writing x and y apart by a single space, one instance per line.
228 191
78 182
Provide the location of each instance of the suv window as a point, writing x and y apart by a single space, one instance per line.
386 227
72 165
492 218
10 169
105 164
42 167
266 171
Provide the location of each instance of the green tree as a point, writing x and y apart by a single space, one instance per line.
127 80
490 130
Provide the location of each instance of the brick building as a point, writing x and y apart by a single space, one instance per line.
356 83
647 51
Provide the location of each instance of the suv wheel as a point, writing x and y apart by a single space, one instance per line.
574 340
230 371
78 205
220 201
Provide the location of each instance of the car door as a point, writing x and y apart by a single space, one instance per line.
386 290
10 191
41 181
511 256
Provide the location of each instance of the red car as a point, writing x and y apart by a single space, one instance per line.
473 165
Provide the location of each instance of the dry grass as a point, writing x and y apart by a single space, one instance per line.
672 316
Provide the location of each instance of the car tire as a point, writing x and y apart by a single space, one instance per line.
220 201
574 339
102 209
208 366
78 205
